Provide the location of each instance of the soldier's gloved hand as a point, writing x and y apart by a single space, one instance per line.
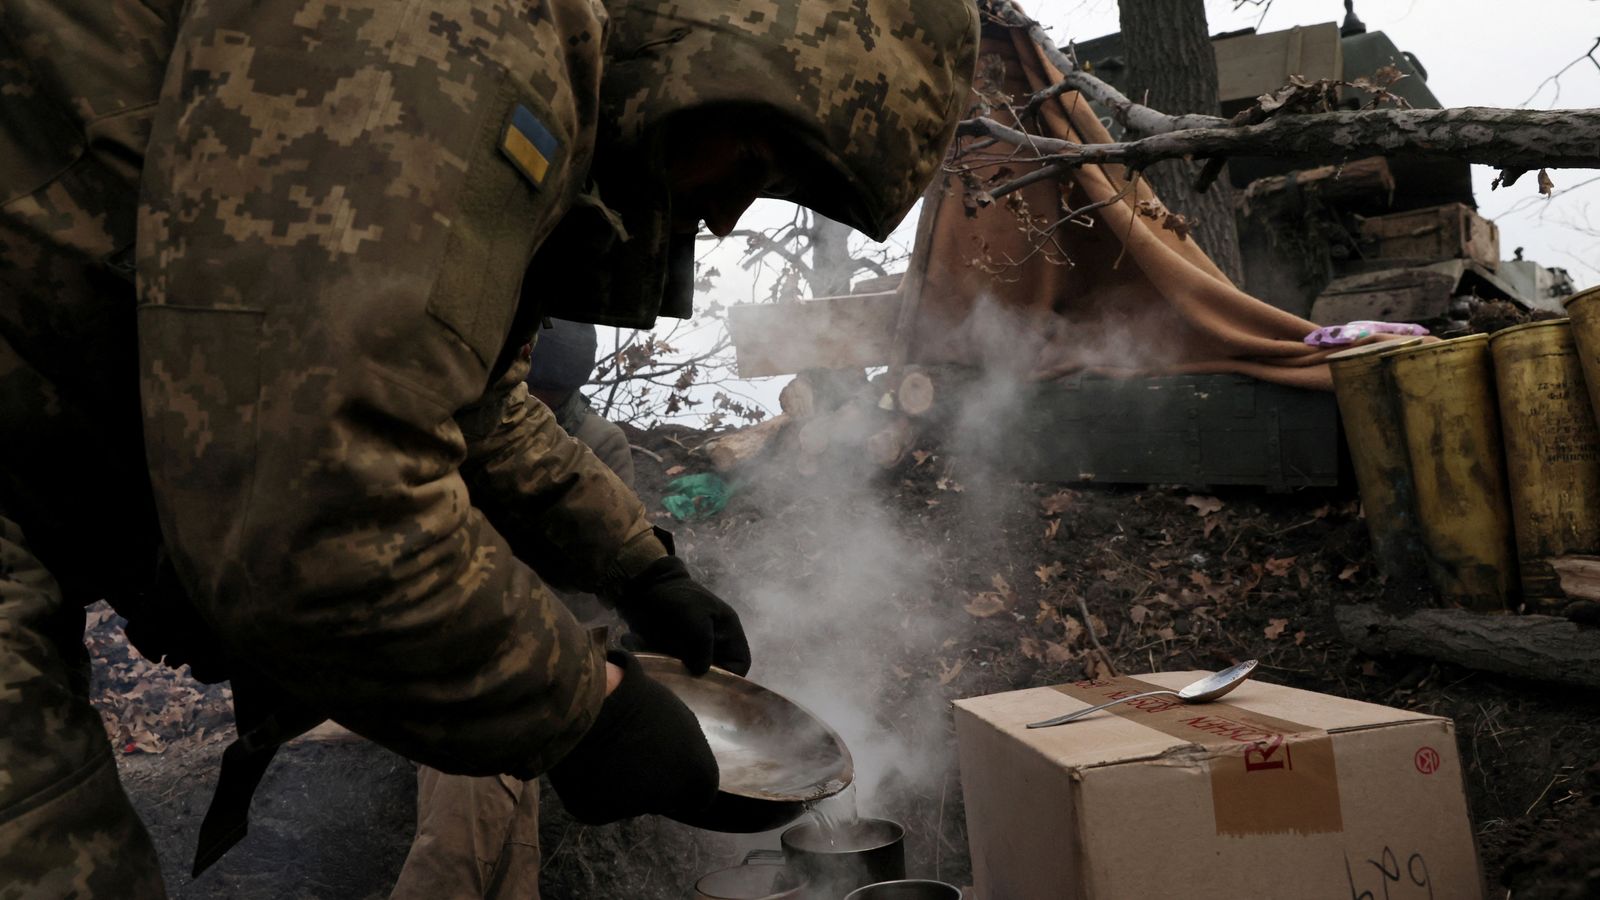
645 753
671 613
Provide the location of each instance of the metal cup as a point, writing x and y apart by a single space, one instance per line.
906 889
762 876
866 851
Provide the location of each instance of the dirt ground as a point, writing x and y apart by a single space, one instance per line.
989 585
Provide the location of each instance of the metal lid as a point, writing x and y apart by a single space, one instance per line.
1373 348
1529 326
1586 294
1460 343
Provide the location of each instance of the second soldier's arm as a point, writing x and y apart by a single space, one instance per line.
557 503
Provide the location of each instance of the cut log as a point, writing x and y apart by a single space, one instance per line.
1543 648
816 391
1580 576
889 444
815 435
798 399
807 465
731 450
915 393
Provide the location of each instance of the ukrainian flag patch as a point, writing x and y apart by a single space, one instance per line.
529 145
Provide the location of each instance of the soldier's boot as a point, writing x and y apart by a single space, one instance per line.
66 827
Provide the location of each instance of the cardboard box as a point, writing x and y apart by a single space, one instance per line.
1271 792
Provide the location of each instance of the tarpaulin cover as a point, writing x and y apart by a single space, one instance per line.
1115 292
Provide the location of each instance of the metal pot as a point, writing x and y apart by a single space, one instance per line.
907 889
846 857
762 876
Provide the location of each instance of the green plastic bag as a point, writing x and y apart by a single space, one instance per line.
696 496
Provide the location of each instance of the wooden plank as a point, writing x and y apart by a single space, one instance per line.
854 331
1391 295
1362 177
1170 429
1254 64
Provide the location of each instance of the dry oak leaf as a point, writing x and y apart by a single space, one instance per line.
1057 503
1545 184
1073 629
948 673
1047 574
1032 648
1205 505
1280 567
1274 628
1138 613
985 605
1051 529
1349 572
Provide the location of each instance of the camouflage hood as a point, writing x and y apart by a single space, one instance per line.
870 89
866 93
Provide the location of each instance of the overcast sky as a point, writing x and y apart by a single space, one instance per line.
1476 52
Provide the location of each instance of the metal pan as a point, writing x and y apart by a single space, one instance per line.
774 756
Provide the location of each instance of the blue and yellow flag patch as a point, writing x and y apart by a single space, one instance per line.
529 145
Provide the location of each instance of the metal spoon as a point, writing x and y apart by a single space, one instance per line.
1203 691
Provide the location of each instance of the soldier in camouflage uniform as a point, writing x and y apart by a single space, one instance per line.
299 455
563 361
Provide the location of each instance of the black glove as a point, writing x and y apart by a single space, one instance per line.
672 613
645 753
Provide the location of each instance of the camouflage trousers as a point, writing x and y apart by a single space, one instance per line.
479 837
476 838
66 826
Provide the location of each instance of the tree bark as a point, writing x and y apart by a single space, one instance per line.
1519 140
1172 67
831 263
1544 648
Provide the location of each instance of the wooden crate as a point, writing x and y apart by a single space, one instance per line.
1451 231
1178 429
1255 64
849 332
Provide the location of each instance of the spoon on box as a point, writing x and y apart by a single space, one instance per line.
1203 691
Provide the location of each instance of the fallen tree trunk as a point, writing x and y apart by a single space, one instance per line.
1513 139
1543 648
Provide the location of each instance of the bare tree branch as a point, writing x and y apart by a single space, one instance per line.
761 245
1512 139
1133 116
1556 78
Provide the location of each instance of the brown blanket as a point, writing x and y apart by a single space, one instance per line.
1113 291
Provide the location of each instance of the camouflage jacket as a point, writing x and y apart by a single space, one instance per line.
330 207
335 211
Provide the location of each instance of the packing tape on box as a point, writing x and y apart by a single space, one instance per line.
1268 775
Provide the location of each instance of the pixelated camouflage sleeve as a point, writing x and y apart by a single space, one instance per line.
335 215
564 510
